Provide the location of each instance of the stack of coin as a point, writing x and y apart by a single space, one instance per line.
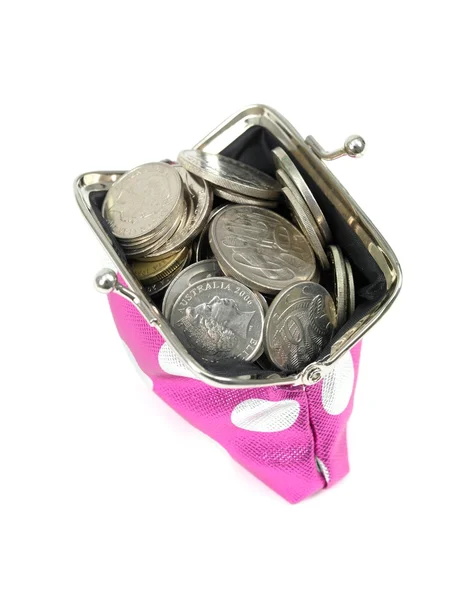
344 285
156 209
305 210
155 286
231 179
309 217
156 274
253 292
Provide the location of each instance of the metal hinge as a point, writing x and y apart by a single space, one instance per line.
354 147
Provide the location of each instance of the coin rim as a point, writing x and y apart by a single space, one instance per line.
218 180
200 217
242 199
284 162
165 303
351 298
340 285
140 250
169 277
305 222
170 264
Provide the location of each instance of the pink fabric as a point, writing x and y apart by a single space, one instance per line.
285 460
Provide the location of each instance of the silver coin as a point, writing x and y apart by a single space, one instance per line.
228 272
283 162
215 211
241 199
299 324
195 272
188 216
149 237
142 200
139 248
230 174
351 296
200 193
149 248
340 283
153 289
260 248
304 219
299 208
160 232
219 320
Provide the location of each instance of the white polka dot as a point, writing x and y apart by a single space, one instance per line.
265 416
171 363
321 467
337 386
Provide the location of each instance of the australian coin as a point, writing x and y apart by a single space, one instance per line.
218 320
142 246
351 299
261 249
283 162
304 219
228 272
195 272
215 211
340 283
199 196
153 270
299 209
142 200
299 324
230 174
241 199
142 250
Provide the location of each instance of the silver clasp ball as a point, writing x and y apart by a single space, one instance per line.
354 147
105 281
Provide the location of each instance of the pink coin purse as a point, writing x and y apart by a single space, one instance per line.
288 430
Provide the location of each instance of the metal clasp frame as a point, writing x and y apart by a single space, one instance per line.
311 155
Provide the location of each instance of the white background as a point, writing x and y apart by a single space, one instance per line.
104 491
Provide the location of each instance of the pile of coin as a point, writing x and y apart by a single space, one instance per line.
157 209
237 281
232 180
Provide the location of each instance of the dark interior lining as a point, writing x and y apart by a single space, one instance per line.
254 148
